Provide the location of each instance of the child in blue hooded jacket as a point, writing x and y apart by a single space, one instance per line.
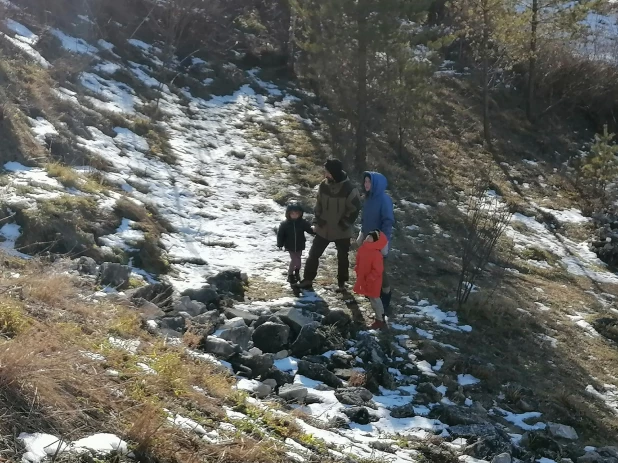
378 214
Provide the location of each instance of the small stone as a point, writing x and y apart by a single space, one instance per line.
173 323
248 317
562 431
271 382
318 373
193 308
240 335
150 311
293 392
281 377
220 347
263 390
310 340
358 415
502 458
271 337
205 295
282 354
158 293
258 365
87 266
236 322
295 318
358 396
114 275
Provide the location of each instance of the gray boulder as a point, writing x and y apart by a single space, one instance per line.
339 319
150 311
271 337
219 347
248 317
254 364
310 340
318 373
114 275
502 458
296 318
237 335
368 349
177 323
159 294
185 304
280 377
455 415
358 396
293 392
358 415
205 295
87 266
229 282
562 431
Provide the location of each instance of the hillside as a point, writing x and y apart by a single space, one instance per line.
143 307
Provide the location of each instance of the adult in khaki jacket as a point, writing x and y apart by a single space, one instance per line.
337 208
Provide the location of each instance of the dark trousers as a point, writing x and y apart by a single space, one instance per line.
295 261
343 259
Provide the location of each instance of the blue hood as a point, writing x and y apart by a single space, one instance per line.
378 211
378 183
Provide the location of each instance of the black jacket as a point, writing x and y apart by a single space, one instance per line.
291 234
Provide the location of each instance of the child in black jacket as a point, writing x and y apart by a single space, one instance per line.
291 235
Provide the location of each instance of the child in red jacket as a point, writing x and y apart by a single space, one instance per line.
369 269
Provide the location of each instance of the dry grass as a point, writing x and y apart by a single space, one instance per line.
51 289
49 385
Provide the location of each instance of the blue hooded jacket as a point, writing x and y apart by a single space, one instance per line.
378 208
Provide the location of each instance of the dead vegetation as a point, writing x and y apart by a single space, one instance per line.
56 358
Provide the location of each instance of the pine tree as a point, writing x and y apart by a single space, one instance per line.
544 22
485 26
599 168
359 53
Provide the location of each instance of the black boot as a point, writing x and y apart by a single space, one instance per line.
296 276
304 284
386 302
291 279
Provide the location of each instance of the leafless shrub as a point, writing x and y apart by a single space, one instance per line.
486 220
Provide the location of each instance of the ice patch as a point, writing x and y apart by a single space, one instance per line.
519 420
119 97
41 129
40 446
577 258
609 395
74 44
27 49
467 380
23 33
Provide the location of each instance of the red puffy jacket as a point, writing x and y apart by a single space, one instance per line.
369 267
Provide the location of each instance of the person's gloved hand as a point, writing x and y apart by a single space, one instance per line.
384 250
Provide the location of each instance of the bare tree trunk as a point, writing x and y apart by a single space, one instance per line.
361 127
530 112
485 72
291 46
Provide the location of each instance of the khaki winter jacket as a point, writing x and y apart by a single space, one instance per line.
336 209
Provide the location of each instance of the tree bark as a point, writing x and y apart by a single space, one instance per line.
361 127
485 72
291 45
530 108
